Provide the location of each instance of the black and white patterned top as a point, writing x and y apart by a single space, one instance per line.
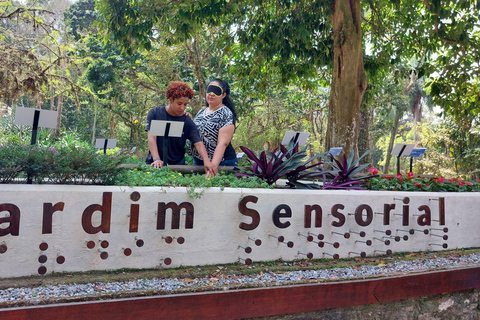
209 125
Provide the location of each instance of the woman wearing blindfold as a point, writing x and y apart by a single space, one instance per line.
179 95
216 124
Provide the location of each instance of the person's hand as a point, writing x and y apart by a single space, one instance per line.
157 163
188 114
210 168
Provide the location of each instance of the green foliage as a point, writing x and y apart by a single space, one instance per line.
442 35
453 150
80 16
145 175
10 166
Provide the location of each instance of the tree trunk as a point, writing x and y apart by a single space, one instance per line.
59 115
417 115
196 58
349 82
393 134
94 125
366 119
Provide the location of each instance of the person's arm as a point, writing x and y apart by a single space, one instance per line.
225 135
207 164
152 146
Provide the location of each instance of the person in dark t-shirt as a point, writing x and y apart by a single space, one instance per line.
179 95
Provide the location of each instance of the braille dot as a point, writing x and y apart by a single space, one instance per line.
127 252
104 244
135 196
91 244
104 255
3 248
180 240
42 270
140 243
168 239
60 259
42 259
167 261
43 246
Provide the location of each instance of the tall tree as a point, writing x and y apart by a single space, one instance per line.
283 40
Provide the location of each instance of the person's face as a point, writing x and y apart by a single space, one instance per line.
178 106
215 94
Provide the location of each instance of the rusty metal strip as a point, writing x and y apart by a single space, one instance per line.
259 302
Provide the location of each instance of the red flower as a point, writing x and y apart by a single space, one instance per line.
410 174
460 183
441 179
468 183
418 185
399 176
372 170
452 180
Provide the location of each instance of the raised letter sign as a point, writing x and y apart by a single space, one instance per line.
426 218
307 223
277 214
242 207
406 210
134 213
441 210
386 213
176 208
339 215
48 211
359 215
13 219
105 209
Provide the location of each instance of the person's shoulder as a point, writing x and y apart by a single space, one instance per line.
157 109
200 114
226 111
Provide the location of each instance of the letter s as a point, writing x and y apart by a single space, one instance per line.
242 207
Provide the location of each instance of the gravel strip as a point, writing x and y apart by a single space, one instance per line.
228 282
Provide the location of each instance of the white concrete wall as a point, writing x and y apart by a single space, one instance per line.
216 234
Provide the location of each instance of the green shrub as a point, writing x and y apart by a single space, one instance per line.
10 162
71 164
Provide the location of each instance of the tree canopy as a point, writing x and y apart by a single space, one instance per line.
277 41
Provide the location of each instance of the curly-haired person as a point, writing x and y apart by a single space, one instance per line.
179 95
